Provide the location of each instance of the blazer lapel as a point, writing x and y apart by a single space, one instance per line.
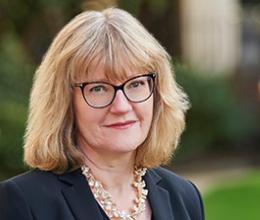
79 197
158 197
83 205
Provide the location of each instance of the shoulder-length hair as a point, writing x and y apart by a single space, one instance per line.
117 39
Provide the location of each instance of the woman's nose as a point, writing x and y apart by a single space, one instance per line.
120 104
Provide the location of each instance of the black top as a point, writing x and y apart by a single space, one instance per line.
105 217
41 195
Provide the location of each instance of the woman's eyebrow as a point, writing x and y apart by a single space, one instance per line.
95 80
106 80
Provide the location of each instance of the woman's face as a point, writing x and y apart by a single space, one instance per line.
118 128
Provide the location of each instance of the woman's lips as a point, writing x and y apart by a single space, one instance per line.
121 125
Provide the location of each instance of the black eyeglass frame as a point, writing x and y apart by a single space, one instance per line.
116 88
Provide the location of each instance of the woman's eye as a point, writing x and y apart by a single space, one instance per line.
136 84
99 88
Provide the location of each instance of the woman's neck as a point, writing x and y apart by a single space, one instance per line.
113 171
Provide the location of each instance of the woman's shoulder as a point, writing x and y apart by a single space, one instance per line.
169 176
40 178
34 180
31 190
30 177
180 189
28 183
172 181
28 187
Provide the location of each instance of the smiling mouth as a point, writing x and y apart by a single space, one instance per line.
121 125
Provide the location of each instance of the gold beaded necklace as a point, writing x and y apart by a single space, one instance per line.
105 199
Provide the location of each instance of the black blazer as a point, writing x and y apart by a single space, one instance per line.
40 195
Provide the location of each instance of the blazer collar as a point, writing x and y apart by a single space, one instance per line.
159 198
79 197
82 203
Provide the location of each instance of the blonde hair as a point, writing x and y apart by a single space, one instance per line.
117 39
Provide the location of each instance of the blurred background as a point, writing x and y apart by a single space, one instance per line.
215 47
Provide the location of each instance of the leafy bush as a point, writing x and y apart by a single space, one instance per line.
15 75
12 121
217 120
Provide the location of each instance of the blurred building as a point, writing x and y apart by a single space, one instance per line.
250 59
211 34
221 36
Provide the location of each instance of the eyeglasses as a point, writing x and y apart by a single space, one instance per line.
102 94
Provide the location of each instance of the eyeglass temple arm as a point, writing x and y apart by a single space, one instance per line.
77 84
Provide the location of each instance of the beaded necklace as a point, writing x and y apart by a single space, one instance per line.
105 199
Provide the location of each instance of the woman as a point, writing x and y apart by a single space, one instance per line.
104 112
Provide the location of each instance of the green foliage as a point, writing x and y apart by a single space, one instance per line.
159 7
16 69
12 125
216 120
15 83
130 6
235 200
134 6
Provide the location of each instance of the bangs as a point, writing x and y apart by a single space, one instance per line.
115 52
